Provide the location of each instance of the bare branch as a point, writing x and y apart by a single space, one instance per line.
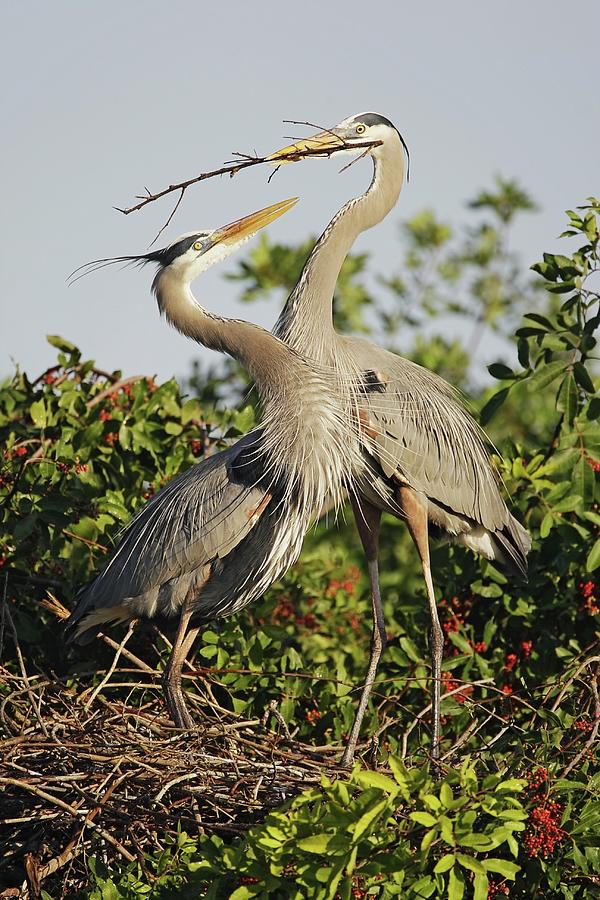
232 167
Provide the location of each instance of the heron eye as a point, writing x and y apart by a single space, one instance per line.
360 129
198 245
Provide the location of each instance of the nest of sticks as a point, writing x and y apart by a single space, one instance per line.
103 771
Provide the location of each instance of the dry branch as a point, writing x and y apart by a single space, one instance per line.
231 168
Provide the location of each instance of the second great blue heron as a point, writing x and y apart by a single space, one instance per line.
426 457
217 536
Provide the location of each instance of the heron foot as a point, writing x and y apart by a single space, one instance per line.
176 703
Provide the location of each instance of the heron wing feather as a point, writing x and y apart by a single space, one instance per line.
420 432
199 517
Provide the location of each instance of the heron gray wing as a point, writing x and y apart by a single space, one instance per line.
200 516
419 432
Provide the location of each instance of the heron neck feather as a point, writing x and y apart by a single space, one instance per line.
306 426
266 358
306 321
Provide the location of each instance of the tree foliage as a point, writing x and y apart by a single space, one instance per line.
518 807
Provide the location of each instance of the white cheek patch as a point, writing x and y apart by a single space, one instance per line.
194 263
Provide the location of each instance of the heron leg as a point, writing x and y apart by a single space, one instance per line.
416 519
171 679
367 521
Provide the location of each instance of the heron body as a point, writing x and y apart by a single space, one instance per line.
426 458
218 535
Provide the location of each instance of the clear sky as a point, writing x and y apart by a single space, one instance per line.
100 99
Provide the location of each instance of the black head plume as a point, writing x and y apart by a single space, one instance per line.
162 258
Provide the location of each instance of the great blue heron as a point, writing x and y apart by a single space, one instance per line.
218 535
427 458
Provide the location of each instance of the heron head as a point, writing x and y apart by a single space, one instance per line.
193 253
353 134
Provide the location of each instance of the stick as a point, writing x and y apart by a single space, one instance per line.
233 167
106 678
76 813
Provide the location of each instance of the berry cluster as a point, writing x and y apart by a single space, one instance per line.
111 438
588 591
454 612
594 464
358 887
523 651
543 826
347 584
583 725
496 889
312 716
544 831
16 451
285 611
449 683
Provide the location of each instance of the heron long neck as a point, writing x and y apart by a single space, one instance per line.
306 321
266 359
305 427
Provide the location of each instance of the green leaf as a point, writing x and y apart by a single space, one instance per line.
424 887
593 560
512 784
582 376
37 411
493 404
190 410
456 885
445 863
367 819
423 818
243 892
400 774
540 320
500 371
60 343
469 862
584 481
561 288
545 375
377 780
567 400
502 866
409 648
480 887
316 843
523 352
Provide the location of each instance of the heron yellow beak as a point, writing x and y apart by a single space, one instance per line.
321 144
252 223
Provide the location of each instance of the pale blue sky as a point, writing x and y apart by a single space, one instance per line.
100 99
